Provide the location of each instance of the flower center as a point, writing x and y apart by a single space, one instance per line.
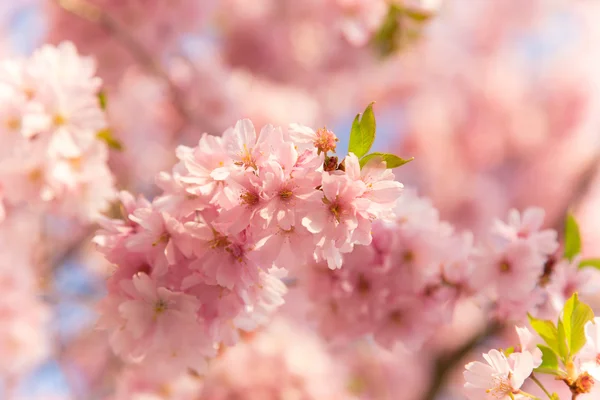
164 238
363 286
249 198
218 241
408 256
501 388
35 175
13 124
247 159
59 120
396 317
325 141
285 194
160 306
236 252
504 267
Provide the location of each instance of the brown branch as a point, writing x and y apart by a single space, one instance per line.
582 188
94 14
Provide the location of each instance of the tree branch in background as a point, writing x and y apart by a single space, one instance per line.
94 14
582 188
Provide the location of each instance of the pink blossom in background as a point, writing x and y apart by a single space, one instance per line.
183 214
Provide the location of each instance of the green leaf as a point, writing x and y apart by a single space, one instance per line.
547 331
387 37
549 361
106 136
590 262
362 134
554 396
572 237
563 349
417 15
574 317
391 160
508 351
102 99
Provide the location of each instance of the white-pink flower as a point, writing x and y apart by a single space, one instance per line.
500 378
527 226
337 219
589 355
528 342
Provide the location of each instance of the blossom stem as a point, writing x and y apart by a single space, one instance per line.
537 382
529 395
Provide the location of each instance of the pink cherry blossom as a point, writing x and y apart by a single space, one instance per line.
528 343
528 226
500 378
338 218
589 355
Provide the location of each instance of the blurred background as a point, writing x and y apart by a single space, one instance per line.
497 100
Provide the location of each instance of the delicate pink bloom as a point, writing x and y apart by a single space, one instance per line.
290 249
161 237
382 191
289 197
337 221
528 342
248 149
322 139
242 202
528 226
500 377
589 355
150 318
283 361
207 166
510 273
567 278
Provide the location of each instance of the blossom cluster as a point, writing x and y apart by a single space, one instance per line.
399 288
569 352
50 116
204 259
409 279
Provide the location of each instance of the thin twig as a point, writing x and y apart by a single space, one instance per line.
582 188
537 382
94 14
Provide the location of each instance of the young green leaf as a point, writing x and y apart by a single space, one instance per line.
572 237
387 37
391 160
574 317
563 348
106 136
102 99
509 351
549 361
590 262
363 131
547 331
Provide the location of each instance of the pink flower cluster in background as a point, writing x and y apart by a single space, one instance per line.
51 157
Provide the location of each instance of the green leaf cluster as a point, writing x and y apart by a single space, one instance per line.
572 238
362 137
564 339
